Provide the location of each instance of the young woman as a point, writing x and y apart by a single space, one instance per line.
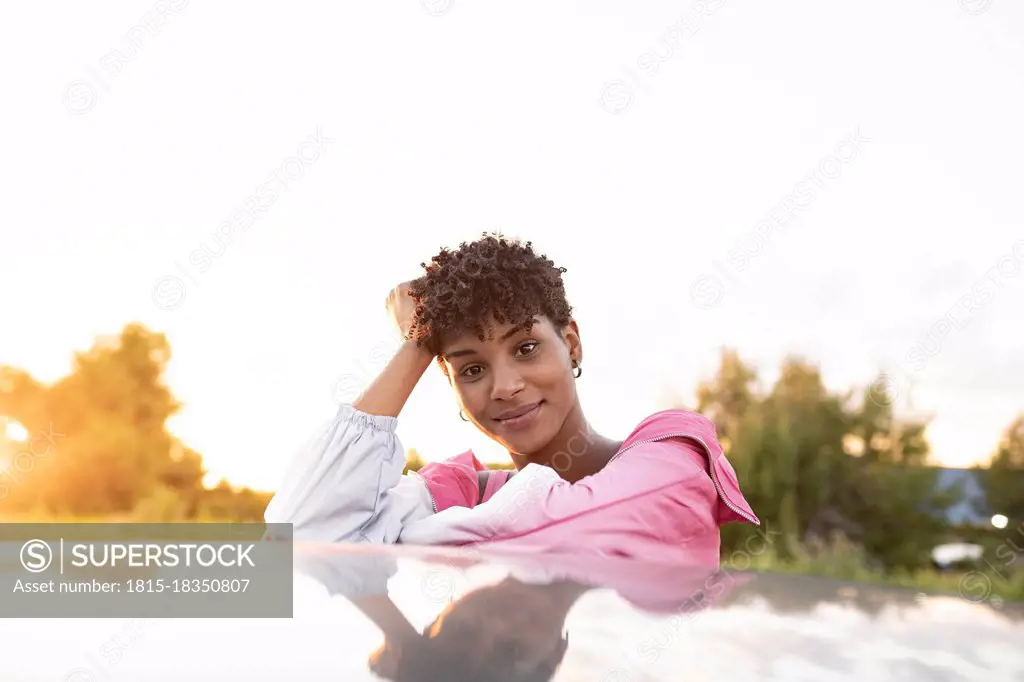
494 316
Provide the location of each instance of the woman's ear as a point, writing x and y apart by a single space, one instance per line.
571 337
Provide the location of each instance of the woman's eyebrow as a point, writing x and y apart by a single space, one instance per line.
457 353
466 351
511 332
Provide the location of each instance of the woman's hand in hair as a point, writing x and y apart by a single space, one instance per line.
388 393
401 308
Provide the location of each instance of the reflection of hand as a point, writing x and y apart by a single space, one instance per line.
387 616
399 635
362 578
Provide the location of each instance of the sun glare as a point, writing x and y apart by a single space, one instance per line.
13 430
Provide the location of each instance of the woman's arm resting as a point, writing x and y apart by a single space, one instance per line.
346 484
659 495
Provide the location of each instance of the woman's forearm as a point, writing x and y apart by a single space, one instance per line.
386 615
388 393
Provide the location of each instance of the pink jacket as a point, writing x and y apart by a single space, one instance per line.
662 497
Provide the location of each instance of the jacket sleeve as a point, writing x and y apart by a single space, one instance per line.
346 484
659 493
348 574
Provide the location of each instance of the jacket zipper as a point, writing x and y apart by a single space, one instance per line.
711 467
433 503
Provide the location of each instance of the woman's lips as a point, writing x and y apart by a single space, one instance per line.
522 420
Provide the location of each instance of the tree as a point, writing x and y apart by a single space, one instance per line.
115 406
784 446
816 426
21 396
110 447
728 397
881 486
813 463
1004 478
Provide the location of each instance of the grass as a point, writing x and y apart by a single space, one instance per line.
845 561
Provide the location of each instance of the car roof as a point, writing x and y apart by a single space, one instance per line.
627 622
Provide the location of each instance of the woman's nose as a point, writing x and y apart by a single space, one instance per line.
507 382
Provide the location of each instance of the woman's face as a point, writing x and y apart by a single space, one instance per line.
508 625
518 387
507 630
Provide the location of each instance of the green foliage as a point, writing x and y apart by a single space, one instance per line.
98 446
507 466
814 463
1004 478
226 503
413 461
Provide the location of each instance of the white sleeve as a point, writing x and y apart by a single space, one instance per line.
346 484
348 574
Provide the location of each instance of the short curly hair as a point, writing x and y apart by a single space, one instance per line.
494 277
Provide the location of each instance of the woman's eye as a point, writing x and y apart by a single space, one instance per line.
468 371
528 348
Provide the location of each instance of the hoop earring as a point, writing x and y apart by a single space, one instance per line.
463 416
578 366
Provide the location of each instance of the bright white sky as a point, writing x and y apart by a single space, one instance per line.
485 116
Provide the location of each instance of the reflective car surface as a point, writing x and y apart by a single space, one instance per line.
400 613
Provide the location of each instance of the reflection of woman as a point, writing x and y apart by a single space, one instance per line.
507 631
495 318
511 630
